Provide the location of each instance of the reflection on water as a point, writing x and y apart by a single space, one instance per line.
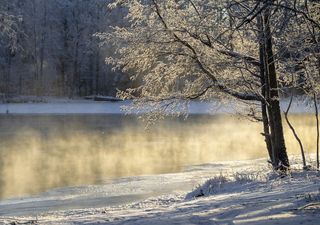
41 152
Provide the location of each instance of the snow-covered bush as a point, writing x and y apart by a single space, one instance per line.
312 196
236 181
210 187
245 177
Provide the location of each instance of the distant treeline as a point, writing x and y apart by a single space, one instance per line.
52 49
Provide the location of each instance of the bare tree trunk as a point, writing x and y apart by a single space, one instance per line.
20 84
295 133
63 60
97 72
75 83
317 119
42 49
264 85
8 72
317 114
266 130
271 113
264 90
35 49
76 80
281 160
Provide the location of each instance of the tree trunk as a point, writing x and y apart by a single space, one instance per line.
281 160
264 88
62 80
266 130
76 77
35 49
20 84
64 59
42 50
97 73
317 120
8 72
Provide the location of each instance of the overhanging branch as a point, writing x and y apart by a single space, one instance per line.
210 75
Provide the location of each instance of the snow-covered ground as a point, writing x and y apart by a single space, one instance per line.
242 192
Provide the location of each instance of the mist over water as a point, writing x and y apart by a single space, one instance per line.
38 153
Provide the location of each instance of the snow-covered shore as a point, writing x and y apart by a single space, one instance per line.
67 106
255 197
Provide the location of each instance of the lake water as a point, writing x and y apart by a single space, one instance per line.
40 152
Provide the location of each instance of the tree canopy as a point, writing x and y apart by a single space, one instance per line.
245 50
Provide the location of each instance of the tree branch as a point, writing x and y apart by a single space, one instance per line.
221 87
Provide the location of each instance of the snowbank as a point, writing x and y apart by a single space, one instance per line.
244 200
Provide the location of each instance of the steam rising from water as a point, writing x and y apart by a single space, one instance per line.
42 152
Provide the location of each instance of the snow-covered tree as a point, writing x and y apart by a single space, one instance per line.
57 53
8 23
189 49
8 40
300 61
